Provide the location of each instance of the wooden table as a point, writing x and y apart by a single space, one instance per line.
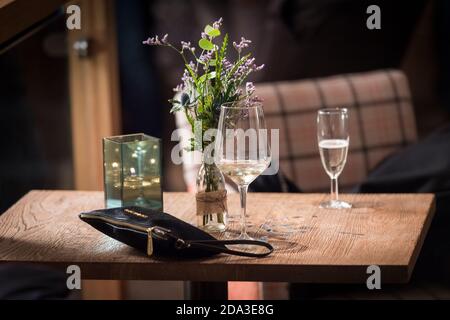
325 246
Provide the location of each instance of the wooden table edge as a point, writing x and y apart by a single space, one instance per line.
423 234
401 273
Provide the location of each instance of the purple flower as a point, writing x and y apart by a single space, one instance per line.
186 76
178 88
155 41
193 66
232 75
249 88
241 45
227 65
150 42
217 24
205 57
187 46
251 100
260 67
249 63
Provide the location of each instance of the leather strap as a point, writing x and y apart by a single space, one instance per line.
220 246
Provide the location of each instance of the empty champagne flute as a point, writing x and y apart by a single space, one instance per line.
242 150
333 139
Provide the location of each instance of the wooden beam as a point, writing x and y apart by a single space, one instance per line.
94 83
95 108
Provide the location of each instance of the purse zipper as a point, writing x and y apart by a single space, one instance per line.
116 223
148 231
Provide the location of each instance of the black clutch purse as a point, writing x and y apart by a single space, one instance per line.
163 235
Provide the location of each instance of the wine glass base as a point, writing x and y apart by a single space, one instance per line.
277 229
245 247
335 204
244 236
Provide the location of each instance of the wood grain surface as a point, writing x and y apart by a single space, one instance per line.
312 244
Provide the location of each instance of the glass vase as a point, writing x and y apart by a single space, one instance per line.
211 198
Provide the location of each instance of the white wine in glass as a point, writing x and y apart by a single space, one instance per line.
244 171
242 150
333 140
333 153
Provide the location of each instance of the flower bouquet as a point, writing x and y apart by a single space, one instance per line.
210 79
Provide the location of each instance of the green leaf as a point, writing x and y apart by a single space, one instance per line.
207 76
237 65
212 32
189 119
176 108
211 62
205 44
223 49
219 61
200 107
191 72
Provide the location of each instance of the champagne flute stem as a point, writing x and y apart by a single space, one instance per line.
334 189
243 197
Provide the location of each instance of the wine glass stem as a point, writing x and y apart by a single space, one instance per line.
243 196
334 189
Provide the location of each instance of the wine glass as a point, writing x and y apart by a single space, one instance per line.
333 139
242 150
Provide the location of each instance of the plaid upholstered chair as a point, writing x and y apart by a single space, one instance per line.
381 122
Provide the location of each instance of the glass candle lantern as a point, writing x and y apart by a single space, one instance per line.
132 171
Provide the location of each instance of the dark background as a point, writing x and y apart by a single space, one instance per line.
296 39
